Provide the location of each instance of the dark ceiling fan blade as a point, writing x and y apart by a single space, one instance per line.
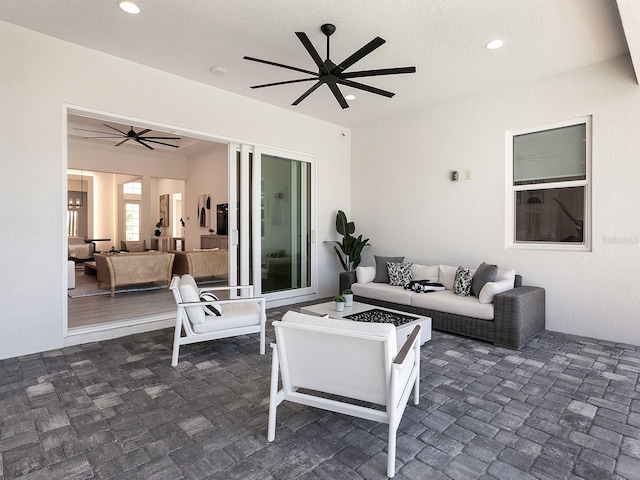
142 143
117 136
285 82
380 71
296 69
307 93
366 88
159 138
146 139
312 51
143 132
338 94
125 140
97 131
114 128
366 50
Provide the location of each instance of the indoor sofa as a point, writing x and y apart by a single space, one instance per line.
502 312
116 270
202 263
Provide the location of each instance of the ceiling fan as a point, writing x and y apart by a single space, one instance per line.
331 74
139 137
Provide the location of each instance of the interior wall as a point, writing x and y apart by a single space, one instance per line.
404 200
42 77
208 174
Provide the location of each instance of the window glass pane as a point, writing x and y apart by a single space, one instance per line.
132 188
132 222
550 215
286 247
550 155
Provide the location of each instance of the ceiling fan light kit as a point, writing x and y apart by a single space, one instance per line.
333 75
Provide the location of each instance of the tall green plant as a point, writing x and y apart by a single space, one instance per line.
349 250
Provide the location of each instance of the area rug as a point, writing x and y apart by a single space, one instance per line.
381 316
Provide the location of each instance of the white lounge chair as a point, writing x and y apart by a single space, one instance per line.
353 360
238 316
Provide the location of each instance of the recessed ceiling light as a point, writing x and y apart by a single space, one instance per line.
493 44
129 7
349 97
219 70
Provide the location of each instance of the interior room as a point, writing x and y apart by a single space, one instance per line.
458 162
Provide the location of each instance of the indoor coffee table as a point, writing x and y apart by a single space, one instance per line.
371 313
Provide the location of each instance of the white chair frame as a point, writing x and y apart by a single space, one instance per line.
183 322
396 394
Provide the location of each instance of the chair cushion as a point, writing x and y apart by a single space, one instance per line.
491 289
189 293
462 282
365 274
235 314
424 272
134 246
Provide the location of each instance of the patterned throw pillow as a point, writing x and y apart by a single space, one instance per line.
462 282
210 309
399 273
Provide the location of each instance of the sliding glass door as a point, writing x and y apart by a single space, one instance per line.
275 249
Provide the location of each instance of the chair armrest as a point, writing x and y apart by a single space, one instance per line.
408 345
519 315
248 288
218 302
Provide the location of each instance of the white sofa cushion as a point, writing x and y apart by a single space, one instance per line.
447 275
491 289
383 291
424 272
449 302
365 274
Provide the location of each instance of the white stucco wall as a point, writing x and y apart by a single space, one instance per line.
39 76
403 199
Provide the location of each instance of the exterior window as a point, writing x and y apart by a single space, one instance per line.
132 221
550 186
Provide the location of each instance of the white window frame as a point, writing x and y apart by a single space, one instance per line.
138 204
511 189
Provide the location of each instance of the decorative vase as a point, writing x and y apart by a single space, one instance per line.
348 299
339 306
346 280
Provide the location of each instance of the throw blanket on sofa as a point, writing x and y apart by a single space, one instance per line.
423 286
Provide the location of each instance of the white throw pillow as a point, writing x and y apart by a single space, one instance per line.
506 274
365 274
491 289
424 272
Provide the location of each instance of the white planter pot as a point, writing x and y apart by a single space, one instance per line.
349 299
339 306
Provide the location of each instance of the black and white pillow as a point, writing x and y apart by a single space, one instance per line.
399 273
462 282
210 309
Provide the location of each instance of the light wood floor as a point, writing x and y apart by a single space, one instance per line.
85 311
124 306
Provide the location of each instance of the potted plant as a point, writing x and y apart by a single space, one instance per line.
340 300
348 296
349 249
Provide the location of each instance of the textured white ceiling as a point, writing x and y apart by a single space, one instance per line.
444 39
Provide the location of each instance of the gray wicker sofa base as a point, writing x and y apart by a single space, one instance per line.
519 315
